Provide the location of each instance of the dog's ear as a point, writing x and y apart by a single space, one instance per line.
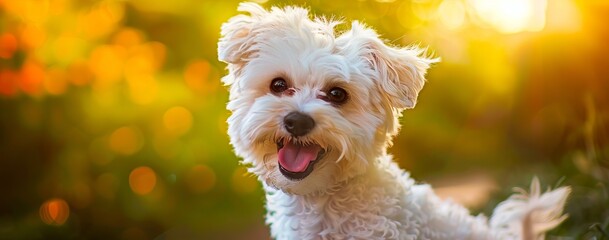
237 36
399 72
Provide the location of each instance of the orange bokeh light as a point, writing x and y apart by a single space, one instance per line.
177 120
32 77
8 83
158 53
128 37
126 141
55 83
8 45
106 64
196 74
197 77
79 74
200 179
54 212
101 19
142 180
32 36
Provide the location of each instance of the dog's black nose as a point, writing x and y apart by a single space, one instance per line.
298 124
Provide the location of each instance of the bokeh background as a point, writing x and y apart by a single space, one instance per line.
112 115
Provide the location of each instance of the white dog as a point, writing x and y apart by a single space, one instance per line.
312 116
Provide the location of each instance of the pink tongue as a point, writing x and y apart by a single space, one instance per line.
295 157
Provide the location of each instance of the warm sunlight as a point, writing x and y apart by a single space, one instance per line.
114 119
511 16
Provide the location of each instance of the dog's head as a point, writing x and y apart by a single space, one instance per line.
311 109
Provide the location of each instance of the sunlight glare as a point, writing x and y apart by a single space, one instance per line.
452 14
511 16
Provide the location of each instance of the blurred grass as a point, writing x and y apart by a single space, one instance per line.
92 90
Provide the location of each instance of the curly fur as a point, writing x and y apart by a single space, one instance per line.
355 191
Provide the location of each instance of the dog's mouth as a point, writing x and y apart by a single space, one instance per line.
296 160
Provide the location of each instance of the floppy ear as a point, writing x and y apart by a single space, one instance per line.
237 37
399 72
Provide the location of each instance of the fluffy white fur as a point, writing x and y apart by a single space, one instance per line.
355 191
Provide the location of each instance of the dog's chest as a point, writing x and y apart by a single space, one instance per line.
366 213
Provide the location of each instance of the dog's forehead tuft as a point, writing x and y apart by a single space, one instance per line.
301 51
291 28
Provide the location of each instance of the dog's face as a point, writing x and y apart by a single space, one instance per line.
311 109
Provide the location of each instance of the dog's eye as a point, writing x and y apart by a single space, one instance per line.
337 95
278 85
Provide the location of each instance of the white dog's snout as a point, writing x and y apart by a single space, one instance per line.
298 124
